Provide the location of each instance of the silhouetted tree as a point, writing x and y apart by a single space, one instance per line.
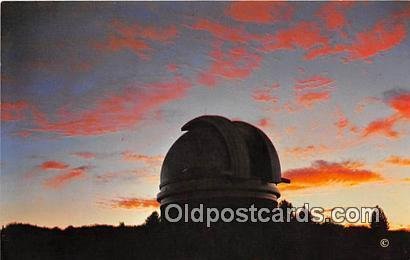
379 223
153 219
285 205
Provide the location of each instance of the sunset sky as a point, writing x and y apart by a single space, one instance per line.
94 94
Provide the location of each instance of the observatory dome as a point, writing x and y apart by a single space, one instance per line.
217 159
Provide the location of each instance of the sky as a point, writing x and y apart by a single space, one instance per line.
94 94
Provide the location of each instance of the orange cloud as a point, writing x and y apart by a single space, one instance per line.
62 179
322 173
310 98
401 104
307 150
382 126
53 165
398 160
234 63
150 160
399 101
134 203
85 155
13 111
114 111
313 82
260 12
136 37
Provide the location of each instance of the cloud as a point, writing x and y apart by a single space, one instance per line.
13 111
136 37
399 101
309 91
303 35
398 160
113 111
382 126
85 155
260 12
148 174
53 165
310 150
172 67
66 177
333 14
134 203
384 35
314 37
313 82
264 122
311 98
264 95
223 32
343 123
149 160
232 63
365 102
323 173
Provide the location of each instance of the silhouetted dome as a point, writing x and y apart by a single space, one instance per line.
217 157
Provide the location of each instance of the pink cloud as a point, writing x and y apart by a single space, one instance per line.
114 111
303 35
313 82
384 35
135 157
233 63
66 177
85 155
305 151
136 37
13 111
260 12
223 32
311 98
264 95
333 14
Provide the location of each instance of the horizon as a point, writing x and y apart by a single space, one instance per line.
94 94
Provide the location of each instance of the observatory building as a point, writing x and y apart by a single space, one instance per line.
220 163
